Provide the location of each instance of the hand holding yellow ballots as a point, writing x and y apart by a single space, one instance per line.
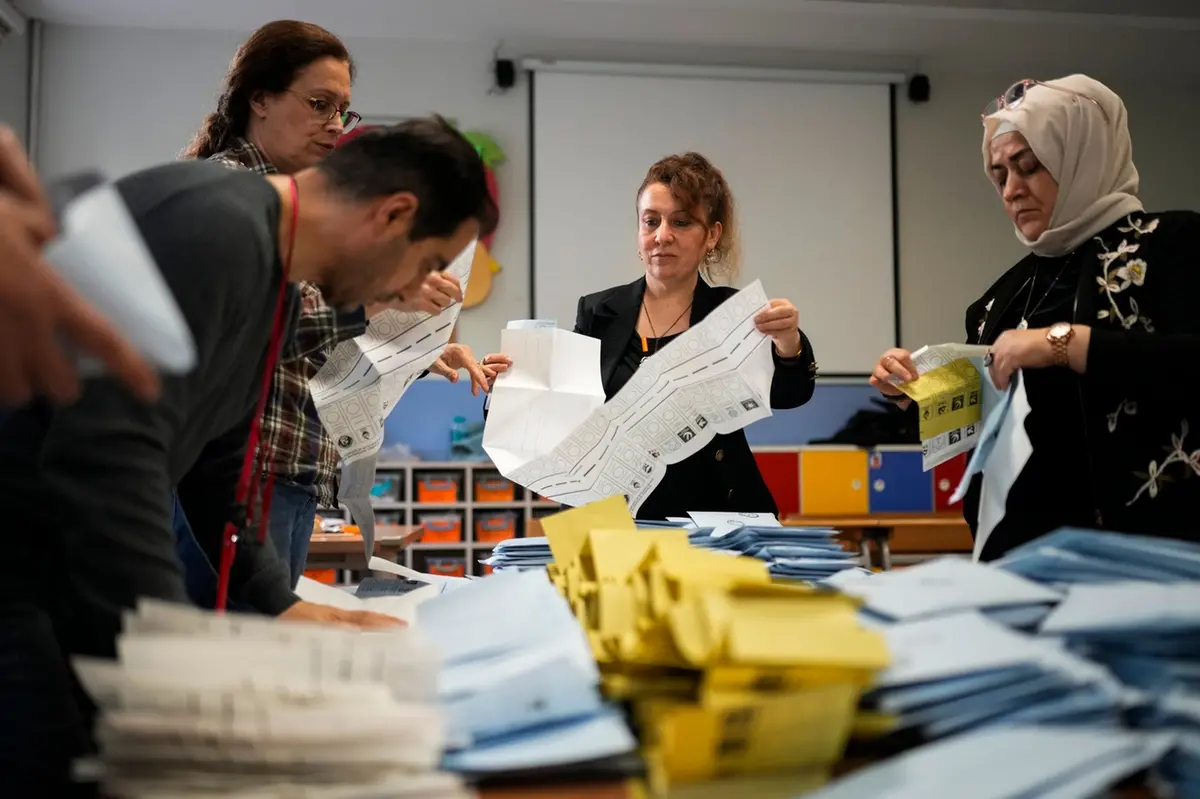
728 673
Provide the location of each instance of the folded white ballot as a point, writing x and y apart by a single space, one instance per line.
552 387
101 254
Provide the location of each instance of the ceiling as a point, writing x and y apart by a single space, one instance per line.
1136 37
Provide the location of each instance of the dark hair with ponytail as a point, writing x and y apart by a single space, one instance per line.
268 61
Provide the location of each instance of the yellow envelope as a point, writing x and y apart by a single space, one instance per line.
567 531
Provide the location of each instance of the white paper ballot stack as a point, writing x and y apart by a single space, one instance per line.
236 706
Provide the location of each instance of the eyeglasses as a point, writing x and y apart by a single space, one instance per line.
1016 95
327 111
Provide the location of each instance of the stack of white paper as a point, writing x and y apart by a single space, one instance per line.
952 584
201 705
806 554
516 554
520 686
1070 556
959 672
1010 763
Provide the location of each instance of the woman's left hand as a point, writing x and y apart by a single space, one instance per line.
458 356
1018 349
781 321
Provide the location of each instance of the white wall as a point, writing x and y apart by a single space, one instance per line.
14 82
954 237
120 99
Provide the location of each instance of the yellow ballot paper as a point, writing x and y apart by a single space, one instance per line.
566 531
729 674
949 393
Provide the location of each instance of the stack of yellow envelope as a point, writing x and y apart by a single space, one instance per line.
727 673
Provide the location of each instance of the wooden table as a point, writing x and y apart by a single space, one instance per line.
900 533
346 551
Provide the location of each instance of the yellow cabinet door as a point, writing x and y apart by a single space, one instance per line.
833 482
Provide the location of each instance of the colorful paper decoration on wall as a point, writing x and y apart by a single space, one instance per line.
485 265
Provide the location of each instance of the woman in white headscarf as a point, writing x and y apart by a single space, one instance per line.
1101 319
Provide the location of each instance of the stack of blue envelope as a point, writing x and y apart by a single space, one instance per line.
1179 712
517 554
519 684
1070 556
1014 762
810 554
963 671
950 585
1148 635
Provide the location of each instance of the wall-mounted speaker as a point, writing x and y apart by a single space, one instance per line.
918 88
506 73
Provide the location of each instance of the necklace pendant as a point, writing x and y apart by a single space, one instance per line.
1023 324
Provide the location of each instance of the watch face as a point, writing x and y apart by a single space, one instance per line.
1059 330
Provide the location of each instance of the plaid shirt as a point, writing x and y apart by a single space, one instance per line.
299 451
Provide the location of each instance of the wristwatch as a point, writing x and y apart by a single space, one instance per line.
1059 336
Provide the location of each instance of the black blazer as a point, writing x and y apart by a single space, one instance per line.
723 476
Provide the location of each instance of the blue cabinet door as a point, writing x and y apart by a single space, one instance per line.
898 483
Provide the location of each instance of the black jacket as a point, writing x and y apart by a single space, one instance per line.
722 476
1117 448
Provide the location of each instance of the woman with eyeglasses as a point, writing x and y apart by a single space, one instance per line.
1099 319
283 107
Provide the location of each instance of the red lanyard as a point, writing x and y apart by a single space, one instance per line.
254 462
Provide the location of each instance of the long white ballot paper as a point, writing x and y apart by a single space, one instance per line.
714 378
553 386
363 380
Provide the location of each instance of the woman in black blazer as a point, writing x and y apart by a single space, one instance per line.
687 241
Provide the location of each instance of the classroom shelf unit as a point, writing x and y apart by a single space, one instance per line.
465 507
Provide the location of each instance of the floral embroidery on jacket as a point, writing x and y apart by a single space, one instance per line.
1120 272
1156 474
983 322
1126 408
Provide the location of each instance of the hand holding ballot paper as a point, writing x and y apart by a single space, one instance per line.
360 384
714 378
77 289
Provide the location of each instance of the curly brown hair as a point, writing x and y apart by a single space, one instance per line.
700 187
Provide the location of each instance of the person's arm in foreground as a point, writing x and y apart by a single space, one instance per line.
39 313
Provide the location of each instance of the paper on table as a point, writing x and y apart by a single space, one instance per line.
552 387
723 524
993 763
100 253
950 395
1004 465
402 606
362 381
946 585
714 378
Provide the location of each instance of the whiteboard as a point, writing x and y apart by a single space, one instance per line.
809 166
